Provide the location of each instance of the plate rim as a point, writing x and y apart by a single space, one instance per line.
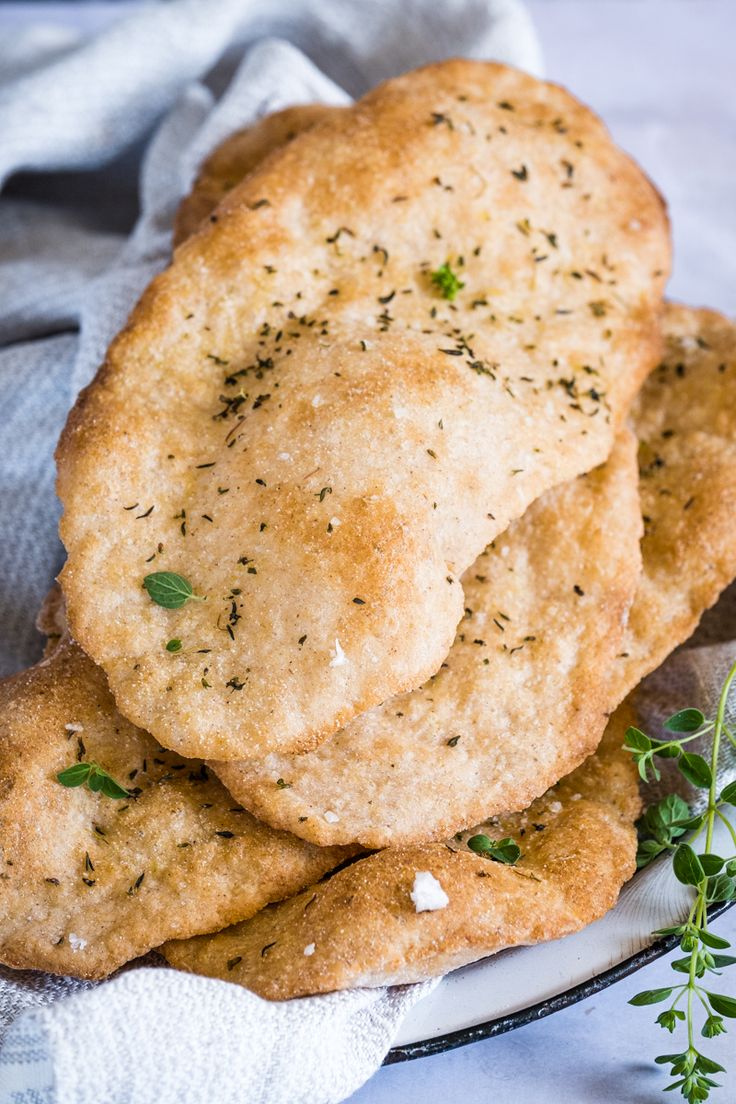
451 1040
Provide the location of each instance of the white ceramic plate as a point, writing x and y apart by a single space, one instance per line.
527 983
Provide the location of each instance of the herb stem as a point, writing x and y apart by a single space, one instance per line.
727 822
717 730
691 988
710 876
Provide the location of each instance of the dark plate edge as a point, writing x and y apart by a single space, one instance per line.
440 1043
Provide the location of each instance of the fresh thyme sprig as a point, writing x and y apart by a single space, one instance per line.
713 878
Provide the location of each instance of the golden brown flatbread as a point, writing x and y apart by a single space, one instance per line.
361 927
88 882
685 418
301 425
521 699
526 721
237 156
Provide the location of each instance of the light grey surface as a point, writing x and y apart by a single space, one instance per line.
661 74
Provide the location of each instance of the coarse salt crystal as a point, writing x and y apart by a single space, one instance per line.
284 456
555 806
309 949
330 817
334 522
317 400
74 727
76 942
427 893
339 659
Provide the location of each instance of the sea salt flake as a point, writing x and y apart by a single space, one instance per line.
76 942
309 949
330 817
74 727
339 659
427 893
317 400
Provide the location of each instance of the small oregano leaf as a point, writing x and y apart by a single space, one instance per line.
721 888
711 864
687 720
695 769
728 793
686 865
74 776
712 940
97 778
725 1006
168 589
503 851
651 996
637 740
111 788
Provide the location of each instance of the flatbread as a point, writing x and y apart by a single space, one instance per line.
88 882
518 728
51 619
685 419
360 927
521 699
328 525
238 155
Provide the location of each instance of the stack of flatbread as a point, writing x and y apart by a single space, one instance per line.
399 480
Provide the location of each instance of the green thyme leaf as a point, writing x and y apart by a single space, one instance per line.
720 888
665 749
447 282
712 940
686 865
726 1006
637 740
74 776
650 996
687 720
97 778
648 850
707 1065
503 851
168 589
720 962
111 788
94 782
711 864
728 794
695 769
663 819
